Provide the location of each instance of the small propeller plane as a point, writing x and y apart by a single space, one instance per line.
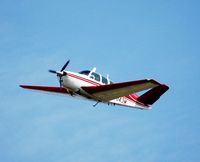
90 85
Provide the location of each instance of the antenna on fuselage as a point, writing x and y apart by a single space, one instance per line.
108 78
93 70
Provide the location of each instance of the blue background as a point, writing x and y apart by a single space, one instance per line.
129 40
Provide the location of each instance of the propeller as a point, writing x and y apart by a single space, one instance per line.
60 73
66 64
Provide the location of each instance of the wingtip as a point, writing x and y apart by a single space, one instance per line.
166 86
23 86
160 84
154 81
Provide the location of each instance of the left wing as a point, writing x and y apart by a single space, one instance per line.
116 90
59 90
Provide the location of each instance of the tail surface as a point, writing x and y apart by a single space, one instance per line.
151 96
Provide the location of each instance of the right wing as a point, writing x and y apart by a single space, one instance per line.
112 91
58 90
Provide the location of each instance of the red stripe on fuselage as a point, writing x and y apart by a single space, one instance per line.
83 79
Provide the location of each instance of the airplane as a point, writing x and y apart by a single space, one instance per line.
90 85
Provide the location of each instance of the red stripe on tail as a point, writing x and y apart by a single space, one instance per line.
153 95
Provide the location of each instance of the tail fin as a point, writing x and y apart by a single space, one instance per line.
153 95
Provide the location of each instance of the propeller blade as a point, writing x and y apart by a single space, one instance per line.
66 64
53 71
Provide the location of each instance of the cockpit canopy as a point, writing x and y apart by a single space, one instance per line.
96 76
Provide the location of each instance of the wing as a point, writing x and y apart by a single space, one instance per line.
58 90
116 90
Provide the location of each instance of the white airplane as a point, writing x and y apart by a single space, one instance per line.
93 86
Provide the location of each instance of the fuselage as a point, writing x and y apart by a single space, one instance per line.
74 81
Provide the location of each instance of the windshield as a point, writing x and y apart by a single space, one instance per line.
85 72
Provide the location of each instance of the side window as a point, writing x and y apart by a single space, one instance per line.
95 76
104 80
92 76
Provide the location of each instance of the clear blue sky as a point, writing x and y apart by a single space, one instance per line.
127 39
